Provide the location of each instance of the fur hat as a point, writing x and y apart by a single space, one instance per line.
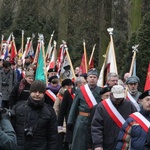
66 82
38 85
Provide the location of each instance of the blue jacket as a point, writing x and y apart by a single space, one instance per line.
132 134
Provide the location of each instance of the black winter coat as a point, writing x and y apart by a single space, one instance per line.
64 112
40 121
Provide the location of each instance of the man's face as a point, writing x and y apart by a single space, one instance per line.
116 101
146 103
77 70
92 80
37 96
133 87
113 81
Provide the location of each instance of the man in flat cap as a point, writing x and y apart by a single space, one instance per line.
132 85
109 117
134 132
86 97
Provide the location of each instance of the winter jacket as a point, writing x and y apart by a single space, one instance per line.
103 128
132 134
35 125
7 136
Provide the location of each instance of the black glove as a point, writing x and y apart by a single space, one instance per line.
5 113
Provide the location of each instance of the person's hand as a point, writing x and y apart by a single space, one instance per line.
98 148
6 113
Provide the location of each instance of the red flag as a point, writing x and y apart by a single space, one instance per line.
83 65
147 83
91 63
13 51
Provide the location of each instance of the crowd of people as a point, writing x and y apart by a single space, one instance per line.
71 114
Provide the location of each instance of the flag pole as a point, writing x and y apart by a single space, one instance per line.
70 62
85 55
135 50
92 54
22 41
1 45
49 46
110 31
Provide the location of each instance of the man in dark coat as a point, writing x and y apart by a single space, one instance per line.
86 97
109 116
35 122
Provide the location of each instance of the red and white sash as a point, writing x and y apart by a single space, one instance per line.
72 94
87 94
112 111
141 120
51 95
129 97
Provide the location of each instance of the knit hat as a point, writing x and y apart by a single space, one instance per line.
38 85
66 82
92 71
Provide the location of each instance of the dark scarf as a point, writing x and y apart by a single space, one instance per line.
35 104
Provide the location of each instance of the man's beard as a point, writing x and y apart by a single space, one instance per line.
133 92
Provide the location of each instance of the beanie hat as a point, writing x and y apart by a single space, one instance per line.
38 85
105 90
66 82
92 71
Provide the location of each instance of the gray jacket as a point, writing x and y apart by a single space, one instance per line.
7 81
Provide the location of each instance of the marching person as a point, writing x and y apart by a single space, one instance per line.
134 131
109 117
21 90
132 85
8 78
86 97
35 122
112 79
8 139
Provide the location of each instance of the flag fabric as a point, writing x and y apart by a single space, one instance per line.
61 56
91 65
83 65
41 68
109 63
147 83
13 50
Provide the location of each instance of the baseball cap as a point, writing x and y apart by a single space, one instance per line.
118 91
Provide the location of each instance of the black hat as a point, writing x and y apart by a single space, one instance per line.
132 79
51 78
67 67
52 70
66 82
38 85
105 90
84 75
92 71
144 94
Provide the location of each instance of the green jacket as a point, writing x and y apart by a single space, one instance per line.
81 122
7 136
